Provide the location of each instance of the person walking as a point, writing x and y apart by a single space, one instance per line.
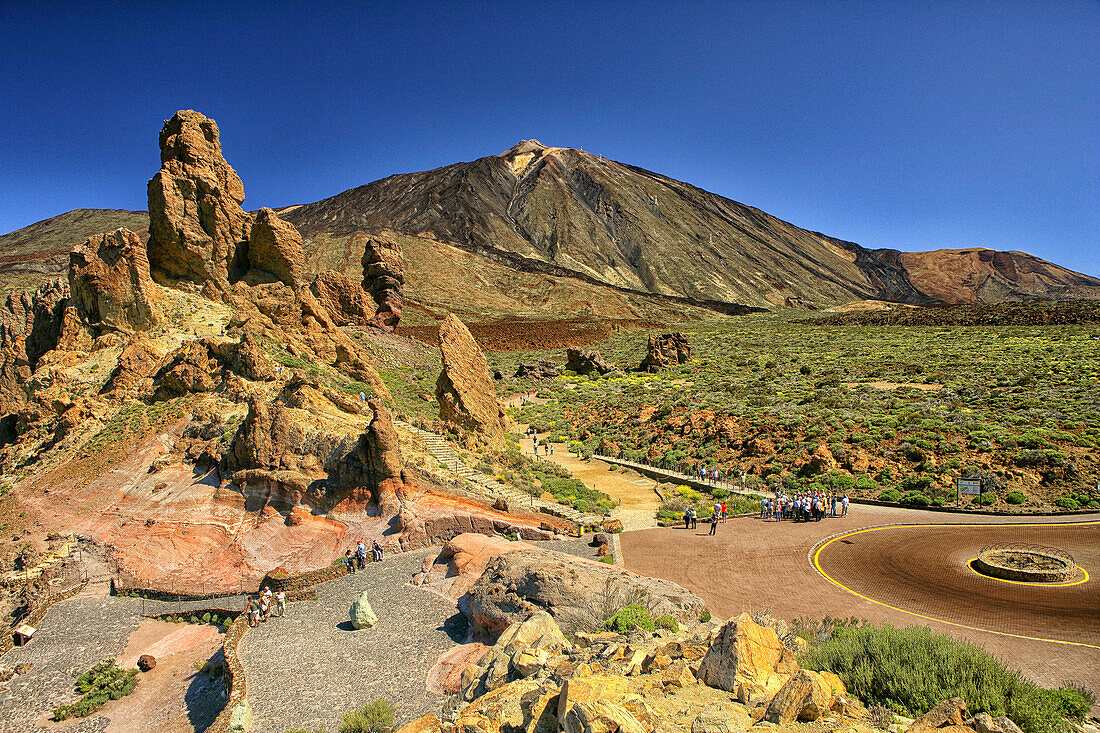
714 519
376 551
349 561
694 518
252 614
280 603
724 513
844 506
361 554
687 518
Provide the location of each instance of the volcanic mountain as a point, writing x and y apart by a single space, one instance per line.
541 233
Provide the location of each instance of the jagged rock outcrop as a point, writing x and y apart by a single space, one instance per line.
274 251
542 370
518 584
748 660
383 278
665 351
110 286
196 224
312 446
580 361
342 297
133 377
206 365
467 398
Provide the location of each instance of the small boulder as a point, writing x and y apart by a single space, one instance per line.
746 659
362 615
146 662
600 538
579 361
986 723
805 696
425 724
542 370
948 712
732 720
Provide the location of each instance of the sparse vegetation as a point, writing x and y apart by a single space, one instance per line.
105 681
374 717
629 616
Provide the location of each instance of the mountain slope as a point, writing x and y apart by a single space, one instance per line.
635 229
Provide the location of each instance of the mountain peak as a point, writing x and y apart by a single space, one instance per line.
524 146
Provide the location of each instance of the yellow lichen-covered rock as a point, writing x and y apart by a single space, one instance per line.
805 696
609 688
748 660
600 717
520 705
426 724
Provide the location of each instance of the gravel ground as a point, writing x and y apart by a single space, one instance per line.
305 670
74 635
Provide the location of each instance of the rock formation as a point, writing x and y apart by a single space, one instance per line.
133 377
196 223
517 584
467 398
310 447
665 351
274 251
383 277
361 613
206 365
542 370
110 285
748 660
342 297
580 361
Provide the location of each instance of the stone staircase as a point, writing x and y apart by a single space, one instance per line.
444 453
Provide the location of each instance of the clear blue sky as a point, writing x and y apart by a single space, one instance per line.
893 124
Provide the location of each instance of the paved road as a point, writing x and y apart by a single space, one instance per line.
305 670
753 565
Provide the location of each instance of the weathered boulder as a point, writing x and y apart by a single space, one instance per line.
523 705
424 724
383 278
207 365
467 398
598 717
146 662
110 284
986 723
573 590
274 251
580 361
133 376
805 696
196 223
240 719
729 720
362 615
952 711
342 297
748 660
820 461
542 370
665 351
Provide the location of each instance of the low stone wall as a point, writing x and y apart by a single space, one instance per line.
987 563
235 672
298 585
120 587
37 613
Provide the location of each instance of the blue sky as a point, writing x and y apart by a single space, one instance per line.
893 124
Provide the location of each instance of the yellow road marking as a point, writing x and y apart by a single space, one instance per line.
1038 583
838 584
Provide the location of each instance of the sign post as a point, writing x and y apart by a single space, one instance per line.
967 486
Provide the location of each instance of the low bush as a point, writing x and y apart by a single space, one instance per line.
915 498
627 617
1015 497
704 617
986 499
374 717
1067 503
105 681
890 495
667 622
911 670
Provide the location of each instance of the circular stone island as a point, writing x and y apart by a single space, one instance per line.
1026 563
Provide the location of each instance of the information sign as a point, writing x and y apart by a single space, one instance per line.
969 485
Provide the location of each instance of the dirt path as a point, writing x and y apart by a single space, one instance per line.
634 492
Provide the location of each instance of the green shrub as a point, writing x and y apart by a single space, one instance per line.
910 670
866 483
374 717
704 617
667 622
1015 498
105 681
607 559
915 498
890 494
986 499
627 617
719 493
1067 503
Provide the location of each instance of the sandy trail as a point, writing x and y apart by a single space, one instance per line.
634 492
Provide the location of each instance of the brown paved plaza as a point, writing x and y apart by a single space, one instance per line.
755 565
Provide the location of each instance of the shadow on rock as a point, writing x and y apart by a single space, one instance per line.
206 695
457 627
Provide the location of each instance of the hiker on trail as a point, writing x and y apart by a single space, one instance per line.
280 603
551 449
724 514
714 524
844 506
763 507
349 561
361 553
252 614
376 551
687 519
265 604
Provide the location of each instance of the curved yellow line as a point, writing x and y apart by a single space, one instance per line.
822 573
1039 583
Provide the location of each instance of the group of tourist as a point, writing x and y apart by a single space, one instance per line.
357 559
719 512
259 610
804 507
